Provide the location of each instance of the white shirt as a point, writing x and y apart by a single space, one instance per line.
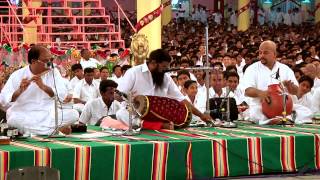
279 18
86 92
115 78
138 80
261 17
74 81
316 83
217 17
260 77
95 109
237 94
233 19
199 102
92 63
287 19
33 109
315 107
305 100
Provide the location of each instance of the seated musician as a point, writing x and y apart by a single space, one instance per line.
150 79
30 93
260 75
96 109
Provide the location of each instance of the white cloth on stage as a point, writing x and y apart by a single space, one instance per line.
33 111
96 109
260 77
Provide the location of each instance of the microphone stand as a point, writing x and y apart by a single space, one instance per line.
284 101
55 133
130 131
228 123
207 82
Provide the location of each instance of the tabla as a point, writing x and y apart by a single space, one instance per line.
155 108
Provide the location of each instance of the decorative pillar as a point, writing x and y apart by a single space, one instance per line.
317 11
153 29
29 19
243 15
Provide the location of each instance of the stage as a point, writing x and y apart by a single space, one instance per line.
193 153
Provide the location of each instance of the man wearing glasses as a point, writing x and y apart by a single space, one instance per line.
29 95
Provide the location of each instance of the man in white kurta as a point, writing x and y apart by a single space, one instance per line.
29 93
260 75
139 80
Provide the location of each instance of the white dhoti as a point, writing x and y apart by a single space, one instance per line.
79 107
41 122
303 115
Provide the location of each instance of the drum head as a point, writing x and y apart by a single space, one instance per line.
140 103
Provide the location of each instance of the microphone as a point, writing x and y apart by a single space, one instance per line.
278 74
122 94
49 65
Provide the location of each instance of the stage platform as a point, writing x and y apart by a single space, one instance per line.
192 153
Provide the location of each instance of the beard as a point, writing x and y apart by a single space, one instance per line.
157 78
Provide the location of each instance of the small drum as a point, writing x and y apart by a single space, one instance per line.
155 108
275 107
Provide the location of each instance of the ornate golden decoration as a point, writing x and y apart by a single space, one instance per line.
139 48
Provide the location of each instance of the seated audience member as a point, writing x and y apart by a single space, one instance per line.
201 75
194 97
124 68
182 76
98 108
216 84
304 96
315 104
78 75
87 60
87 89
96 74
104 73
117 73
232 81
297 73
30 92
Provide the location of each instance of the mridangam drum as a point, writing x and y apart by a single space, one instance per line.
155 108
